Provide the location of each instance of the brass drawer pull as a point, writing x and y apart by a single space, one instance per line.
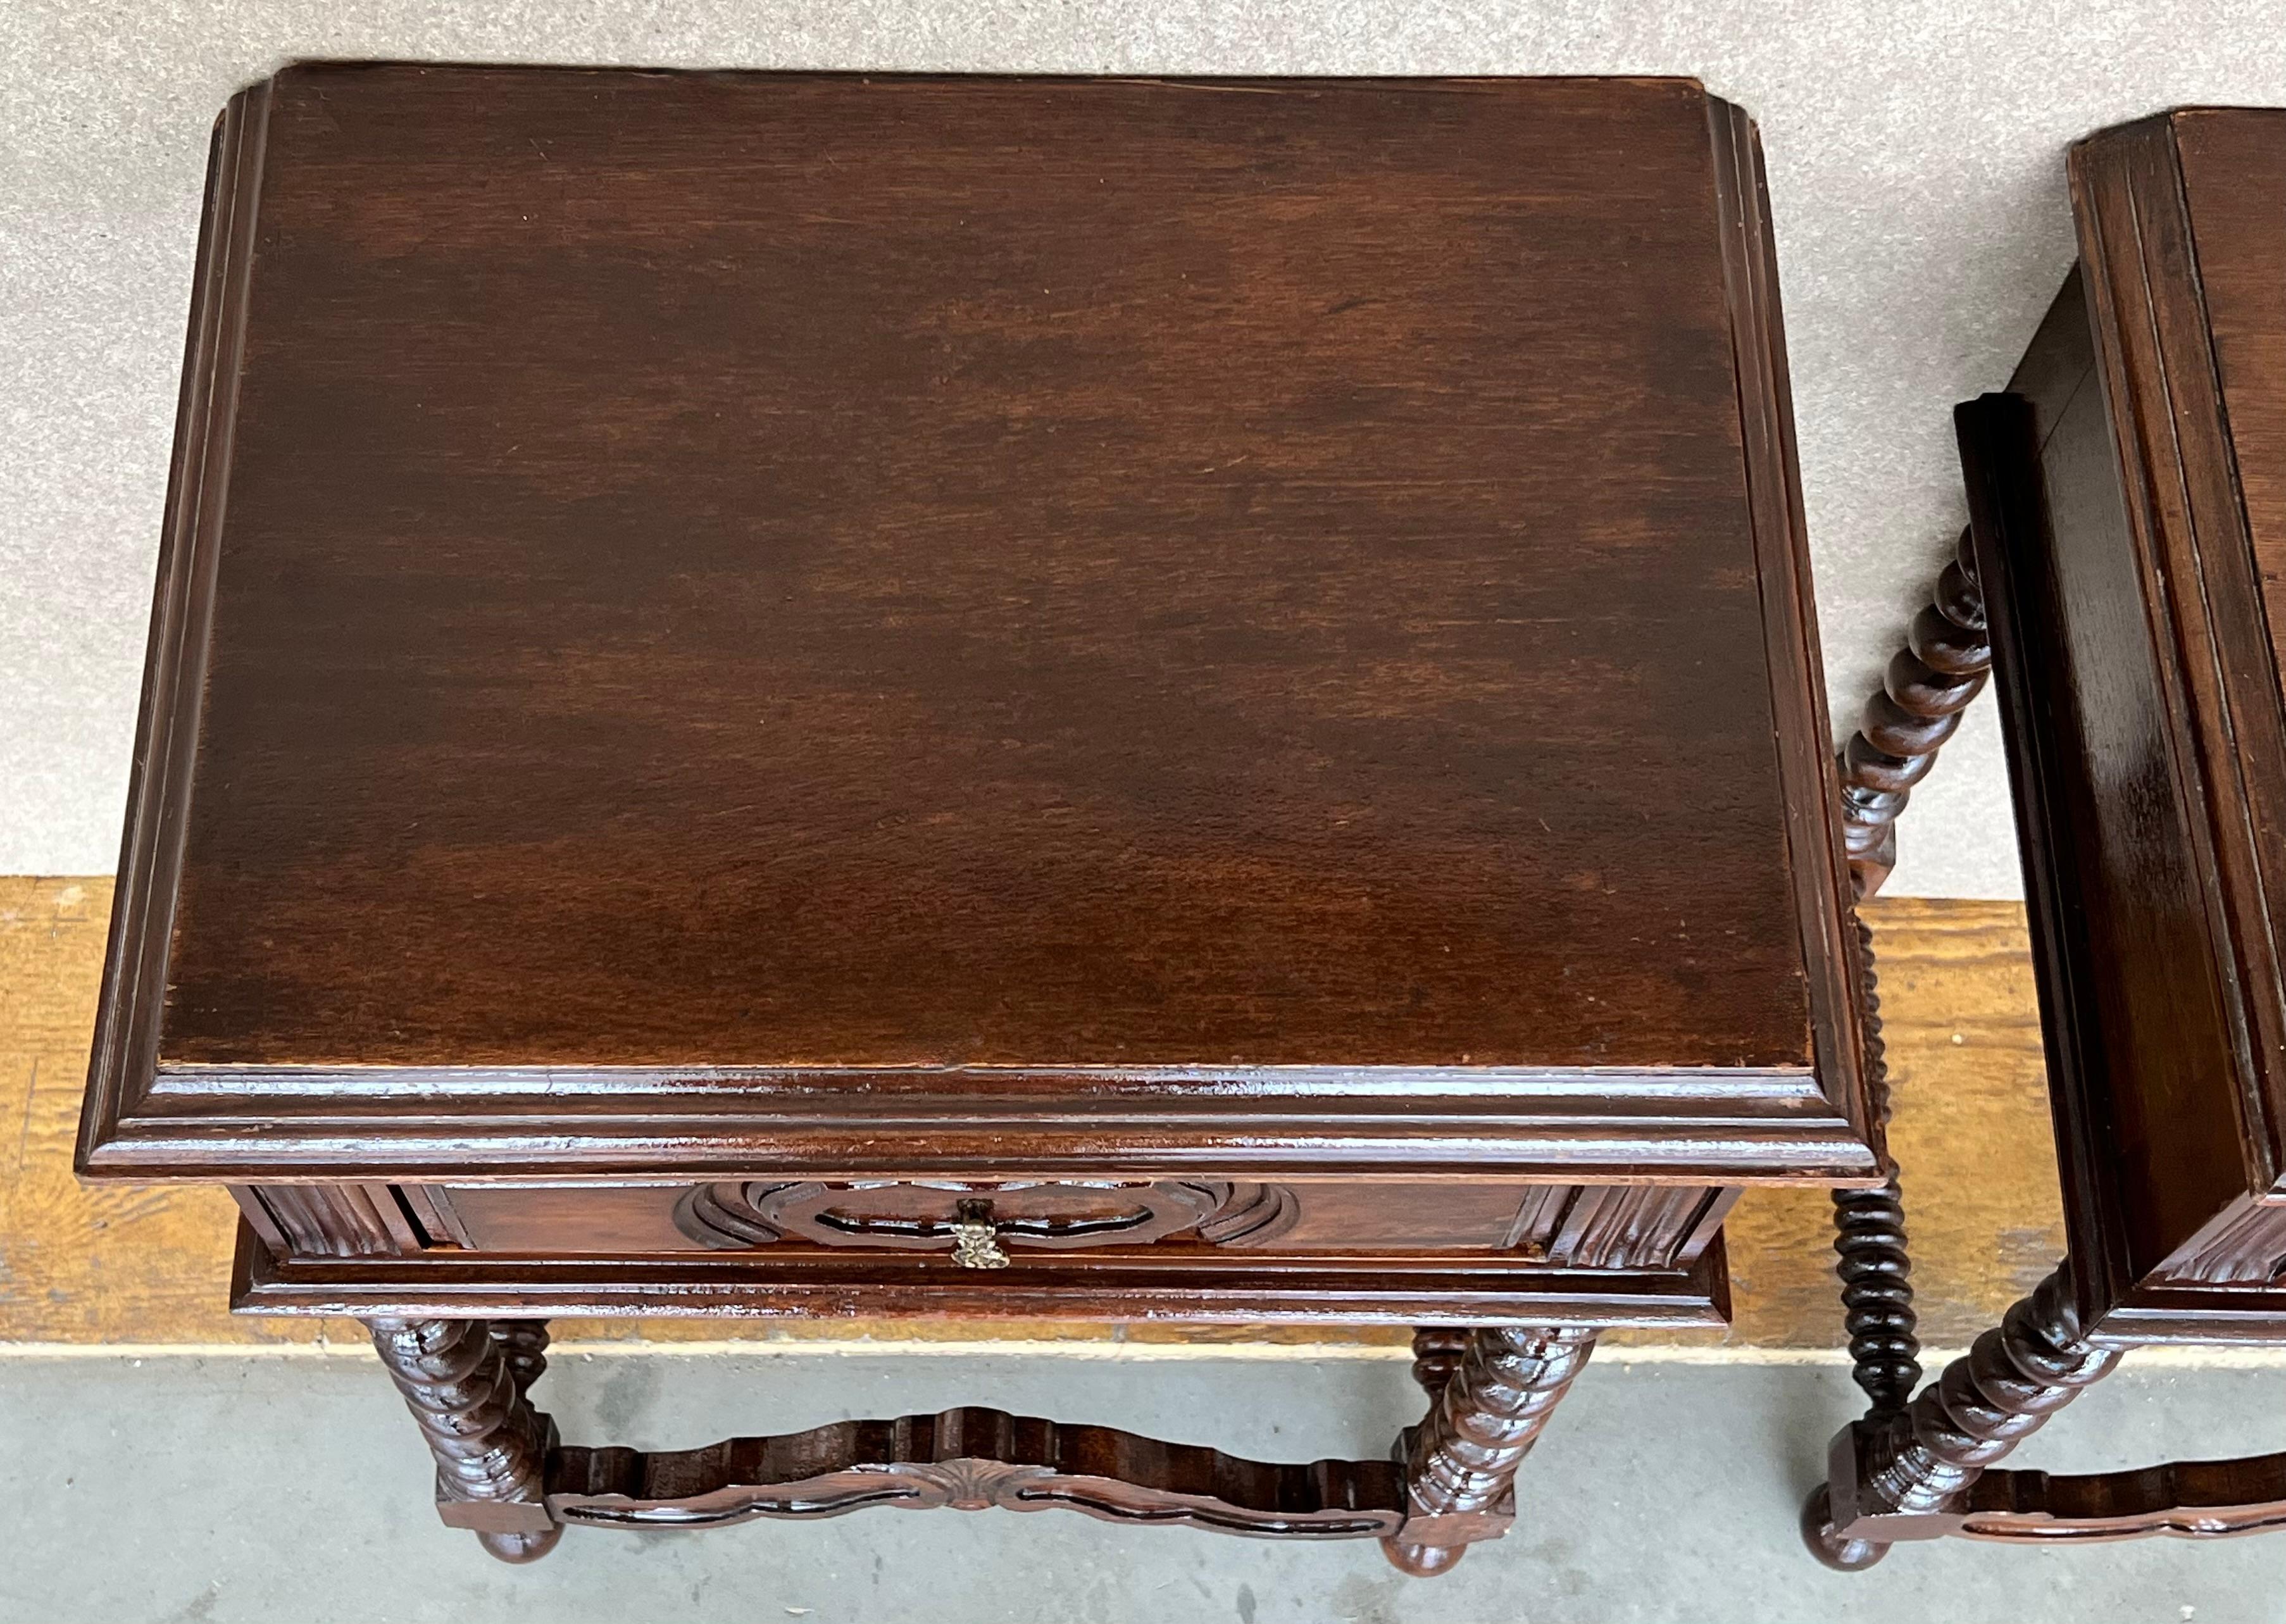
976 1239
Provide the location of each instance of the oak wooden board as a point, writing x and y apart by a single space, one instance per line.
111 1264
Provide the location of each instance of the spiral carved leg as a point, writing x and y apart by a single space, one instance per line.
1877 1289
1877 1302
1877 1294
1947 656
523 1343
1902 1476
1437 1352
1869 1239
464 1382
1484 1419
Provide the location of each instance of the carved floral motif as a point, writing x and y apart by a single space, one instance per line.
731 1216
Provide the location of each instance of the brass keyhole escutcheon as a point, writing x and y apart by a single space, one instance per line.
976 1239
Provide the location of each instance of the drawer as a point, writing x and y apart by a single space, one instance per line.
991 1225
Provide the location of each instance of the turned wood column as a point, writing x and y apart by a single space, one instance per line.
464 1381
1437 1352
1487 1413
1868 1238
1947 656
523 1345
1902 1476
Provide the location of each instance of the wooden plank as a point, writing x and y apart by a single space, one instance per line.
102 1265
1962 1022
90 1264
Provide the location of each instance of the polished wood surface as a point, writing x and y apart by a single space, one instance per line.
502 1472
1592 1224
1486 1414
2186 1499
1190 1285
971 1459
2145 1107
2233 170
110 1263
801 623
1906 1475
465 1381
977 686
2124 498
787 608
2123 495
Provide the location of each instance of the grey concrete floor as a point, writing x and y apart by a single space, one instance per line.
223 1489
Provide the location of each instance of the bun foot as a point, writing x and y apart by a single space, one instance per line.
1421 1561
1826 1544
520 1546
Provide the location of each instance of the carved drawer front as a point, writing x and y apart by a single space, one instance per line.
976 1223
991 1225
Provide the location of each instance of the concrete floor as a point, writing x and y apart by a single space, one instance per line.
187 1487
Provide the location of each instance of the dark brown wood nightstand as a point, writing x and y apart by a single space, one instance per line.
2127 497
811 695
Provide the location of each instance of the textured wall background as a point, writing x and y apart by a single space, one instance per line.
1916 163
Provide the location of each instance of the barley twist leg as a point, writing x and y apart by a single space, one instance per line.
460 1380
1486 1418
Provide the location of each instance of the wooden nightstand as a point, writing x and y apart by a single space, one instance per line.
809 695
2128 503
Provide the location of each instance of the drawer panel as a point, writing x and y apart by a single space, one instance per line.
1610 1227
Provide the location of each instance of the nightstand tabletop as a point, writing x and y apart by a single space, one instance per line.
817 580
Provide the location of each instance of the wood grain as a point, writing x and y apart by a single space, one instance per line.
770 616
750 481
94 1262
111 1263
2139 628
2123 504
1960 1016
2122 494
